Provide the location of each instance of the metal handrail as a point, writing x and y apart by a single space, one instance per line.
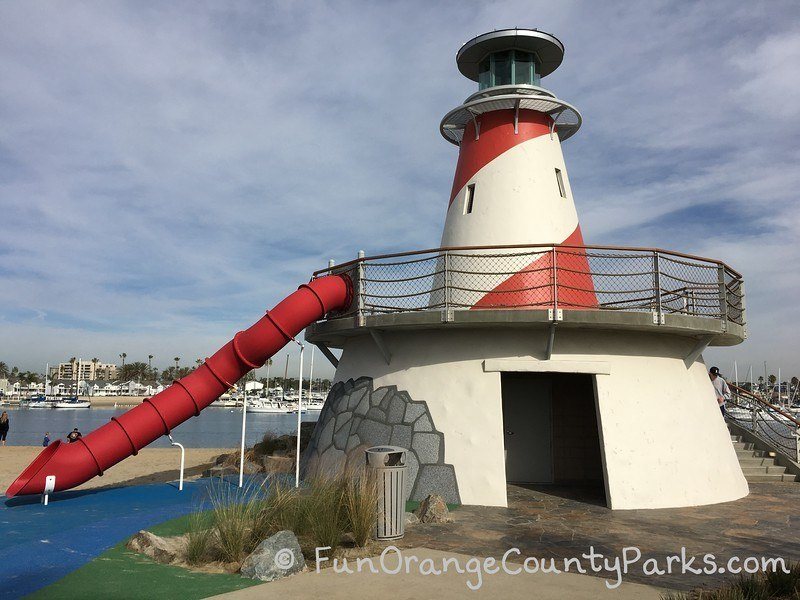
350 263
743 392
778 429
535 275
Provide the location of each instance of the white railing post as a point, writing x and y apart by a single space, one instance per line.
447 288
360 290
797 444
723 296
657 284
755 418
555 284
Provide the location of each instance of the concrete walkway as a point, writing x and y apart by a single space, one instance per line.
451 585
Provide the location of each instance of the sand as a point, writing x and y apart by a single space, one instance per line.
151 465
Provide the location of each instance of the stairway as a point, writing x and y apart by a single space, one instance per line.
756 464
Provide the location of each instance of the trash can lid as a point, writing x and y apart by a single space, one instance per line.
386 456
382 449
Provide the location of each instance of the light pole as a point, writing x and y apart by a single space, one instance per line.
244 430
299 416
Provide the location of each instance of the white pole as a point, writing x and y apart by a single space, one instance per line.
183 460
299 418
269 364
779 386
311 372
736 372
244 428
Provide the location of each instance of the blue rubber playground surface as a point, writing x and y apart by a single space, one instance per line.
41 544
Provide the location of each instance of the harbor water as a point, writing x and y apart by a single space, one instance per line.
216 427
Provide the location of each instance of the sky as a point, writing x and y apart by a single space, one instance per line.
168 170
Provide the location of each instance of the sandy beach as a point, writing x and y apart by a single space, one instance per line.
100 401
151 465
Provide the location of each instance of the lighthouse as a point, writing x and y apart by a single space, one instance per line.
511 185
515 353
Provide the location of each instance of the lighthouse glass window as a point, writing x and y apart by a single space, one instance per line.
507 68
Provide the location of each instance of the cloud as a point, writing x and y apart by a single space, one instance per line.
169 171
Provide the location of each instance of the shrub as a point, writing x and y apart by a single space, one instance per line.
280 509
233 511
361 505
199 538
323 510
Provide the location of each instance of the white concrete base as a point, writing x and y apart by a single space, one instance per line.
663 440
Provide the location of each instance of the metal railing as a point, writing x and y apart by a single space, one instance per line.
537 276
775 426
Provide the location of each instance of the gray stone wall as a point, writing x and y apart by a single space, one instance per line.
356 416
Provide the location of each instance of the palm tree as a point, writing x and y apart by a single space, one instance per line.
3 370
123 356
150 366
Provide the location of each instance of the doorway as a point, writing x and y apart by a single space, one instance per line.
550 429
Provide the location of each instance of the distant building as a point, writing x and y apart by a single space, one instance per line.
84 369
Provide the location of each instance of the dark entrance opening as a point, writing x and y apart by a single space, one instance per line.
551 433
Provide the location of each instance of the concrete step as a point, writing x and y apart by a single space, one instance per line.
756 461
752 454
744 445
761 470
770 477
736 438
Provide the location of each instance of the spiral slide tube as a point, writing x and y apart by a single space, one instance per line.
76 463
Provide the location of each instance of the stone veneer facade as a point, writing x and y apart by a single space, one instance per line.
356 417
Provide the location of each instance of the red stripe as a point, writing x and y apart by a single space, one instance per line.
532 287
496 136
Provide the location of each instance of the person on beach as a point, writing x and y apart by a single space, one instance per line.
46 440
4 423
721 388
74 435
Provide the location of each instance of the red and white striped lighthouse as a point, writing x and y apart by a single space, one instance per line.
511 185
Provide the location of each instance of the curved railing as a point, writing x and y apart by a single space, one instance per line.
559 277
775 426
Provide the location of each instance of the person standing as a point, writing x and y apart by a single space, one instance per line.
46 440
721 388
4 424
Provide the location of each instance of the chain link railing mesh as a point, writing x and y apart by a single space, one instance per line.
564 277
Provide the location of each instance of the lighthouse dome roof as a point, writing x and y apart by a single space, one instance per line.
547 47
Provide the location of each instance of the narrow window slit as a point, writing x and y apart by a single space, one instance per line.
469 198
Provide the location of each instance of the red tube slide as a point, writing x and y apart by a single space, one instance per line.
73 464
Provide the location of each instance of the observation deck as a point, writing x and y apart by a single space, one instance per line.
623 288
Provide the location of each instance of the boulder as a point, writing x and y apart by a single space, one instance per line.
250 468
220 471
277 556
411 519
433 510
161 550
278 464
